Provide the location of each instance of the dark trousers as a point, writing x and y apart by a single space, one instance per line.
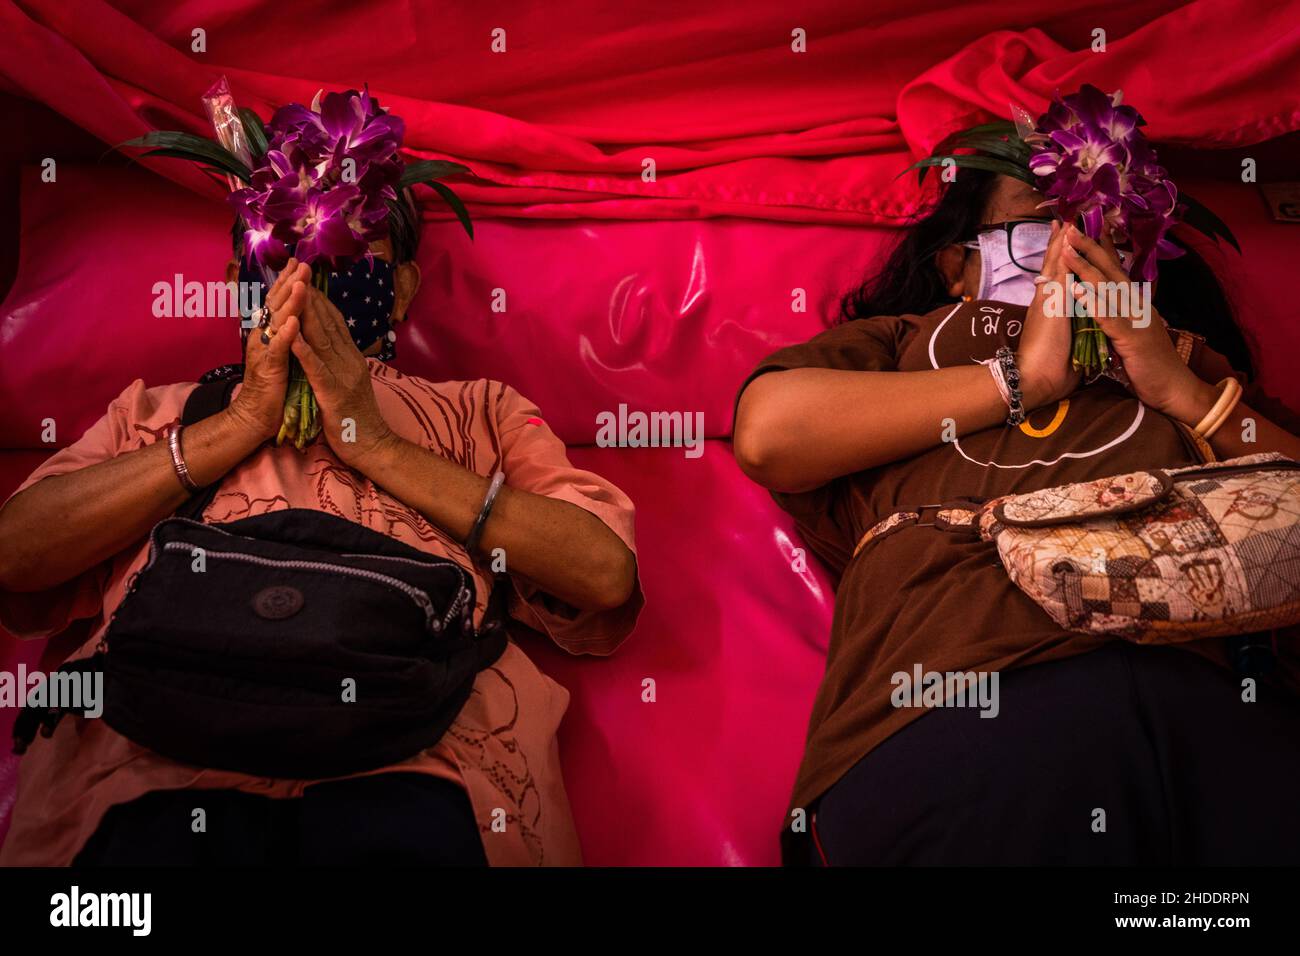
1157 739
392 819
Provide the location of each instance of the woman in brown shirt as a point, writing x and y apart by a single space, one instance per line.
1100 757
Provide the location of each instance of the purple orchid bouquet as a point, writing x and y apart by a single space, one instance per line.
1088 156
1098 169
318 183
322 188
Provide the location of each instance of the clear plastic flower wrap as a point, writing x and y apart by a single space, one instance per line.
219 104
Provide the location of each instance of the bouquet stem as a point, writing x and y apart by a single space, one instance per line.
1091 353
301 422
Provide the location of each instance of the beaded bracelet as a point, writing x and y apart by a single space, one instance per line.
1007 376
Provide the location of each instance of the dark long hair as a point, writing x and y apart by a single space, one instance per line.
1189 294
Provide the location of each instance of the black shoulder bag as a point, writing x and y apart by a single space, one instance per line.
292 644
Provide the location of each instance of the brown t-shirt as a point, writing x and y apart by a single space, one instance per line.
920 596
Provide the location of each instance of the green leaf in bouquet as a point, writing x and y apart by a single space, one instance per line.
1002 132
990 164
1202 219
427 170
456 205
220 177
1013 149
255 131
999 149
176 145
241 172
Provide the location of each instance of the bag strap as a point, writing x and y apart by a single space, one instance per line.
492 634
960 516
45 719
208 398
1185 344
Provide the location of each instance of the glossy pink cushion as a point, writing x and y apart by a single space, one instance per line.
659 315
665 316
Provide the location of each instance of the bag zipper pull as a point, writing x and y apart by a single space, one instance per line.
430 619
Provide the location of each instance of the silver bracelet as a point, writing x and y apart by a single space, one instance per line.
476 532
178 460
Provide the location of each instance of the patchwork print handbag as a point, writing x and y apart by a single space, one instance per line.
1160 555
1154 556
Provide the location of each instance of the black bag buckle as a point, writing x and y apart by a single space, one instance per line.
920 514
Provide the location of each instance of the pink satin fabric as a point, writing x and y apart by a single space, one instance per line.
737 123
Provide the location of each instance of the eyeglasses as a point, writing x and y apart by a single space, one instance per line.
1024 259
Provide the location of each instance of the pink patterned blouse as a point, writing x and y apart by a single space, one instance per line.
502 747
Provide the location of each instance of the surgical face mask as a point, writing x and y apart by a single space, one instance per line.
1010 261
1008 265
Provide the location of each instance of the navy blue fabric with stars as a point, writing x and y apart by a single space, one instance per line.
363 295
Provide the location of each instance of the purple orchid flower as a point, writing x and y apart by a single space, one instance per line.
1096 166
321 228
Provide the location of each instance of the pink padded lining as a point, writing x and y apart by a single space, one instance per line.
660 315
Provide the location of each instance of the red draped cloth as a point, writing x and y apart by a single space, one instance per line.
560 124
661 315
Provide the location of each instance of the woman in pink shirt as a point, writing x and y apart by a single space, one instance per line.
409 458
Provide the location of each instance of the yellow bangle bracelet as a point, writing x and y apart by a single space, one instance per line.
1217 415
